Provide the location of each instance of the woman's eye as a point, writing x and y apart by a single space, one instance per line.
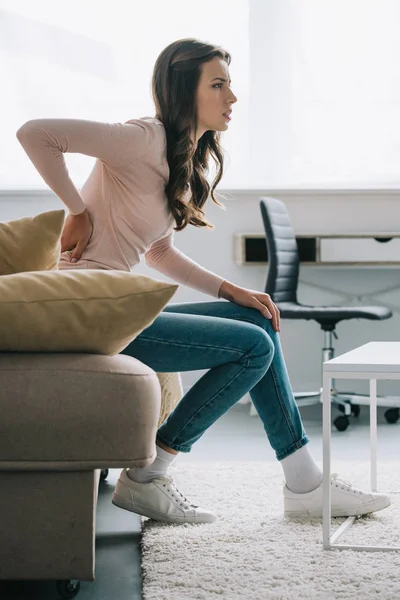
217 84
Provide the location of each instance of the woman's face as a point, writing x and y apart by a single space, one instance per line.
214 97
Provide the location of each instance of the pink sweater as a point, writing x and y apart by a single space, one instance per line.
124 194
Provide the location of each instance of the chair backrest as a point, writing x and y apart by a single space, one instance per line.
283 256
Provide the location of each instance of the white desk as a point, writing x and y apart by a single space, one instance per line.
376 360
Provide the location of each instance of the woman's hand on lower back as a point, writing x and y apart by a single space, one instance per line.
76 234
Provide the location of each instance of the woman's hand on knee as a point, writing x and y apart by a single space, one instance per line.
258 300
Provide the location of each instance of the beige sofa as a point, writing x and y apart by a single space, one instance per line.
64 419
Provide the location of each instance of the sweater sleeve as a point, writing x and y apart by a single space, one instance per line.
116 144
164 257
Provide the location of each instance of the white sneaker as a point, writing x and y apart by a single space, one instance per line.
346 501
159 499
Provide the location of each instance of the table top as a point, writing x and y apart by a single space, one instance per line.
378 357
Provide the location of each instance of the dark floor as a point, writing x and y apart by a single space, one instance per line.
118 531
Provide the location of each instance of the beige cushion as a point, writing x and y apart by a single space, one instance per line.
171 393
31 243
78 311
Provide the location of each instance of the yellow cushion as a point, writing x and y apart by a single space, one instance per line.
171 394
31 243
78 311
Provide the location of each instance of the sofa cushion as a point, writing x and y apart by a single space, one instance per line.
78 311
171 393
31 243
76 411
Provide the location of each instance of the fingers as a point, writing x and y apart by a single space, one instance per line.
263 309
276 321
272 312
64 245
77 252
275 316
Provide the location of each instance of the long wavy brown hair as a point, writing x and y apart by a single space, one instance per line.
175 80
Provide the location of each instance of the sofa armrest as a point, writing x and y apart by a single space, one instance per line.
64 411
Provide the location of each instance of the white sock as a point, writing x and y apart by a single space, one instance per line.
157 468
302 474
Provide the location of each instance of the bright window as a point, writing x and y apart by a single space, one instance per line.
317 82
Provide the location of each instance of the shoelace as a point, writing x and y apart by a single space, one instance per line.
180 497
345 485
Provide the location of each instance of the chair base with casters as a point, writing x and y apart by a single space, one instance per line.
282 284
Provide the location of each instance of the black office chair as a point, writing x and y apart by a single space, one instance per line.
281 285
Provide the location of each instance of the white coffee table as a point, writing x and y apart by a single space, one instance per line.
375 360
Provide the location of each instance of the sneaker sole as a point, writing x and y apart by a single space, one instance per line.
363 509
152 514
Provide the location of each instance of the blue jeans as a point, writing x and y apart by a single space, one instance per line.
243 354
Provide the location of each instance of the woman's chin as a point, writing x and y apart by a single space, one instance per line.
219 127
223 127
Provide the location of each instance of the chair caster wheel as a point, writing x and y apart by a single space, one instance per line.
392 415
341 423
355 410
67 589
103 474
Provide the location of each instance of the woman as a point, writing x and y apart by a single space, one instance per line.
148 181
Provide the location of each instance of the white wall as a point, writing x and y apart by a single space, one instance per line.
311 212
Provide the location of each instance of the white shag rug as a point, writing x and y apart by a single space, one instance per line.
251 552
